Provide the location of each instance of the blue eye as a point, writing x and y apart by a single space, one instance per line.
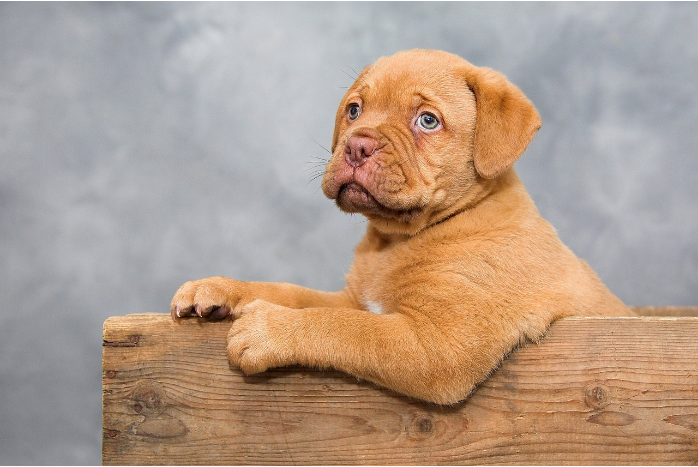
354 111
428 121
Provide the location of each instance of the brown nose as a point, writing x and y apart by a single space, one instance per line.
358 149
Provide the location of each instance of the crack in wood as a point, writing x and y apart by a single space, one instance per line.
132 342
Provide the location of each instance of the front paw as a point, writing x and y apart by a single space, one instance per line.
254 340
213 298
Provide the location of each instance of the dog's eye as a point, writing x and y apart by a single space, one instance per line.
428 121
354 111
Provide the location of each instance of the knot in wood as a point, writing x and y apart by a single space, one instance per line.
422 425
148 397
425 425
597 396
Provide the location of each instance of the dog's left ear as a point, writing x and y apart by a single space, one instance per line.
506 121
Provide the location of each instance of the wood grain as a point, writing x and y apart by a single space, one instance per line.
677 311
594 391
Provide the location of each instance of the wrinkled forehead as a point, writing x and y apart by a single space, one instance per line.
404 80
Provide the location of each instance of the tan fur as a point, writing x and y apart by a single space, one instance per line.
456 257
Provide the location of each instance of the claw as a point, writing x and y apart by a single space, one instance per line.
178 312
213 313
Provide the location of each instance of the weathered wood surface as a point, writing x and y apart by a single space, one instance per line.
676 311
594 391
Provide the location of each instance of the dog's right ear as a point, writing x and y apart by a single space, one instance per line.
506 121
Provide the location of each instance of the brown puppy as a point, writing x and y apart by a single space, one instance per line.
456 268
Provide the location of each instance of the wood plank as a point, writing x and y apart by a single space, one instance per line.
594 391
665 310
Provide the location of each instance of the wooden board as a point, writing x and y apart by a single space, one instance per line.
595 391
678 311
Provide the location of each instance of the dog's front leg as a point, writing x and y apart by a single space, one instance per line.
218 297
390 350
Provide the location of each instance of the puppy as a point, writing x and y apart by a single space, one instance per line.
457 266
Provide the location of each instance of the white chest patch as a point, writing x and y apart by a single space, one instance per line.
374 307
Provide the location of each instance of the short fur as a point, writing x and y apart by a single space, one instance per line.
457 266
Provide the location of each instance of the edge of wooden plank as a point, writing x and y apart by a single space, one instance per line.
678 311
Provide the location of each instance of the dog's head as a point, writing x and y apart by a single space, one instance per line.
421 135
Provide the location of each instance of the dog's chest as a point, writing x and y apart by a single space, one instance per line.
373 306
372 295
374 277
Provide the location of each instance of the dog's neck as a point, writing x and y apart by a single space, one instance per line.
486 197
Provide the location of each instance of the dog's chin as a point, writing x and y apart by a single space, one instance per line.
352 197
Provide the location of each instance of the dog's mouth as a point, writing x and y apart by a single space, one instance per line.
352 197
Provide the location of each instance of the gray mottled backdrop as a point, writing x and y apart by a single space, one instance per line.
142 145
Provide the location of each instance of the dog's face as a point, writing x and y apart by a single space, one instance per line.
420 135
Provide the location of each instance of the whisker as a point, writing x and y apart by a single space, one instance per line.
315 177
318 157
349 75
316 168
358 76
362 220
323 147
316 165
317 161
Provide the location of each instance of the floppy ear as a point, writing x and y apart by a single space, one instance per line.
506 121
